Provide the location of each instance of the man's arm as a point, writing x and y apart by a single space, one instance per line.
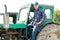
39 23
43 15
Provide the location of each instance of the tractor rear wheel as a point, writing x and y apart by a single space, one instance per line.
49 32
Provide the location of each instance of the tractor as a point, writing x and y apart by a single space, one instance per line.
14 25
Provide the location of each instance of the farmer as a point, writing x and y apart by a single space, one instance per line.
38 19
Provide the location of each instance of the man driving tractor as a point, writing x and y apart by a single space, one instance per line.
38 19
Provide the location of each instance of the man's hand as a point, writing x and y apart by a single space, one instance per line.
30 23
39 23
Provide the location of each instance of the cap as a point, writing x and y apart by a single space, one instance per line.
36 3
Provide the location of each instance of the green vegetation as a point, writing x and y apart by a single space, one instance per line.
57 16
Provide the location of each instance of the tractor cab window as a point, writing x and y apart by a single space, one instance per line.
31 15
48 13
23 15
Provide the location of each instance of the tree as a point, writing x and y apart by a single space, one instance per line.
57 16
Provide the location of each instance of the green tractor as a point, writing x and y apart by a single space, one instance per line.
14 26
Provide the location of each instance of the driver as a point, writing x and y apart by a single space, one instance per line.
38 19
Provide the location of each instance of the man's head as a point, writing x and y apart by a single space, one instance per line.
36 5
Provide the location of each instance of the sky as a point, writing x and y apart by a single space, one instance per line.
14 5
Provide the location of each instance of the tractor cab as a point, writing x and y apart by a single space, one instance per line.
29 10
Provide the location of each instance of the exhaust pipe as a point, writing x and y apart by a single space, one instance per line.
6 18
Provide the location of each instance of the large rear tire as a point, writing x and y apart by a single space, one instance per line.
49 32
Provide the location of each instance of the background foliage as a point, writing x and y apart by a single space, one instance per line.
57 16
